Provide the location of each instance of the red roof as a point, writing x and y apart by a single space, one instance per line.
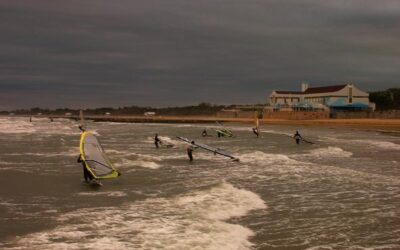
325 89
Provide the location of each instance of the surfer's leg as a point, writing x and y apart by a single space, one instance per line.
85 174
190 156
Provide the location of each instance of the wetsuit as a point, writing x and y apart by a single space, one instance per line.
86 174
190 149
157 141
297 137
190 152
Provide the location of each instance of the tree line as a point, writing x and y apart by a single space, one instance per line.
200 109
386 100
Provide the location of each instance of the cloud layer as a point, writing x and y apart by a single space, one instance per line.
164 53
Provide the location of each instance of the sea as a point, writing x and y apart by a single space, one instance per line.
342 192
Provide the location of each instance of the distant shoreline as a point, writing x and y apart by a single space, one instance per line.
386 125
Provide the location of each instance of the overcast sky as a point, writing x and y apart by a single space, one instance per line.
96 53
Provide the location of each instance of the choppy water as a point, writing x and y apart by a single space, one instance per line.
342 193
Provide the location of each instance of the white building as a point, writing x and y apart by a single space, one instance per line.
149 113
339 97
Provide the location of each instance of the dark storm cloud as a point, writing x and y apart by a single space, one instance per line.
163 53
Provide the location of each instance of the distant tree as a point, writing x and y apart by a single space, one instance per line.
386 100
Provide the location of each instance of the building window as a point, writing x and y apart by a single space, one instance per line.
350 95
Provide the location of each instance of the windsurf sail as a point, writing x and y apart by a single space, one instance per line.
208 148
82 124
257 128
95 159
224 131
258 125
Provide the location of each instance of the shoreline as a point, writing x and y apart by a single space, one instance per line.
380 125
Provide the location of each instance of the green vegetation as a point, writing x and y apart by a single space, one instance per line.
386 100
201 109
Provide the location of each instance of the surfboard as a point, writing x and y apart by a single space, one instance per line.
95 159
309 142
94 183
208 148
166 145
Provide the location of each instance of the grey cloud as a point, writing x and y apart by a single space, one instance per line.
165 53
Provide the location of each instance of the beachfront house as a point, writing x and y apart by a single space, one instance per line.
345 97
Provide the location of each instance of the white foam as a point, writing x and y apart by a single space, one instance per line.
219 207
108 194
375 143
137 163
382 144
330 152
16 126
192 221
146 157
167 140
41 126
259 157
73 151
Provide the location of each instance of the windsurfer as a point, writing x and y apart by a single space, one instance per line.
190 150
157 141
297 137
86 174
255 131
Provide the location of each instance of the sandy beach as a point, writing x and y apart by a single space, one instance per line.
387 125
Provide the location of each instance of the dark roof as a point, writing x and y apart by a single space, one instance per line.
288 92
325 89
316 90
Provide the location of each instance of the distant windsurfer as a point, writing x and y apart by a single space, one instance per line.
255 131
81 128
297 137
157 141
86 174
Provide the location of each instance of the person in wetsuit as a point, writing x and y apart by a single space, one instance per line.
204 134
297 137
190 150
86 174
157 141
82 128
